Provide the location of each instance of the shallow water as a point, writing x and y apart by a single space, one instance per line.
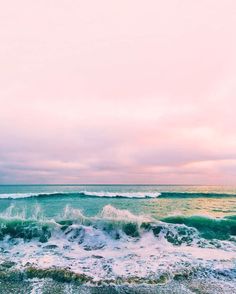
82 236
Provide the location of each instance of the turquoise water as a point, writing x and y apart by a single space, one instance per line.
184 200
117 234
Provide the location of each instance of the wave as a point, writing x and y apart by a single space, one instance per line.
114 246
91 234
83 193
102 194
209 228
123 194
114 223
27 195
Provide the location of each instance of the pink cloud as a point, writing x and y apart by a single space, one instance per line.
117 92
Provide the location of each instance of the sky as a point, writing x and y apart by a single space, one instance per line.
124 91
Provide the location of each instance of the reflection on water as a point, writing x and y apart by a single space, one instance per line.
214 207
221 202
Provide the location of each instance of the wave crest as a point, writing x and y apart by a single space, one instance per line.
105 194
115 224
83 194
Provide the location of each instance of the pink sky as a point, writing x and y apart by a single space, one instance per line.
121 91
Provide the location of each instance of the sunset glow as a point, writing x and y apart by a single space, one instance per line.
118 92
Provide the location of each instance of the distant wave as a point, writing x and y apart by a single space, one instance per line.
123 194
104 194
26 195
83 193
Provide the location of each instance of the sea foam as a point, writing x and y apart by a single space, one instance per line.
82 193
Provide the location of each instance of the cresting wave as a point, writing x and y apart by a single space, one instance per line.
27 195
115 223
83 193
135 195
122 194
112 248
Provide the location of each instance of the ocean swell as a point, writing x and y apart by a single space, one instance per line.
103 194
113 247
115 224
83 194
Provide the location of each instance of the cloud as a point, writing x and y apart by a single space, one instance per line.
106 93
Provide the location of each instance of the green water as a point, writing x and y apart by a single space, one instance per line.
210 201
117 239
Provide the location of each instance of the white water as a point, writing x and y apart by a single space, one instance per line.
94 252
86 193
25 195
124 194
146 258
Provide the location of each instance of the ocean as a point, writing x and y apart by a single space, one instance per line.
117 239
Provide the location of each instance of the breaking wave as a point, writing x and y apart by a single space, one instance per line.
113 247
115 223
209 228
102 194
83 194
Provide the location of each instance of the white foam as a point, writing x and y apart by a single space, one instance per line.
72 213
15 212
144 258
25 195
12 212
86 193
109 258
123 194
111 213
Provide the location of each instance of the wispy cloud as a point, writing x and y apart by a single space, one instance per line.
121 92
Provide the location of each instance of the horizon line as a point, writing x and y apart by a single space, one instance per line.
117 184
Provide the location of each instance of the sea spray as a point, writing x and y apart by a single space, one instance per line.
135 237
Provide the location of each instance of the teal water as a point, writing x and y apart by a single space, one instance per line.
212 201
117 234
